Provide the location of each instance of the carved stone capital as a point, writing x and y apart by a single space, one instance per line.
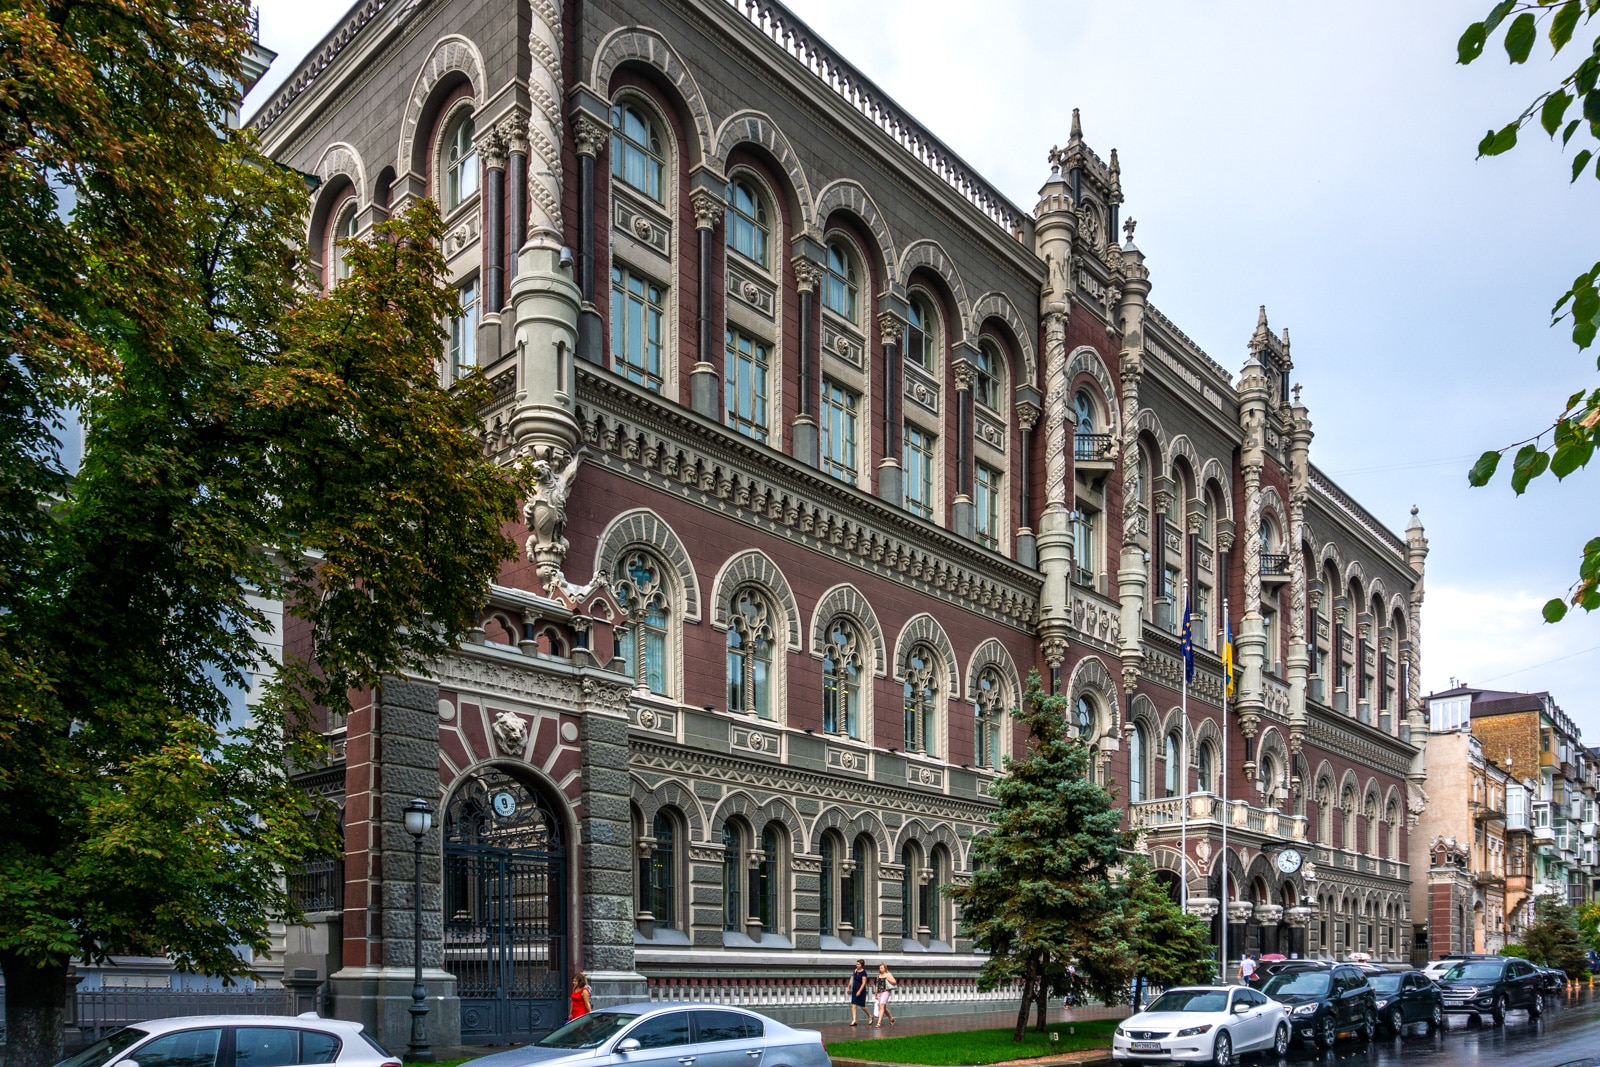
708 208
1054 647
807 274
891 328
1027 415
516 135
1196 522
589 134
965 374
491 147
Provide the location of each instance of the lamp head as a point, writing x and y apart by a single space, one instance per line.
418 817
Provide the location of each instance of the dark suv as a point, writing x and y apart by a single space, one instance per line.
1326 1001
1407 997
1492 987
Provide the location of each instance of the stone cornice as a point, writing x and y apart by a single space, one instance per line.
712 466
1360 741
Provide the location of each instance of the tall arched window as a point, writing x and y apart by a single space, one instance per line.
1203 772
920 337
841 289
910 898
931 904
749 231
1392 819
657 881
862 851
986 384
344 231
1270 779
841 680
750 654
922 701
1083 404
732 878
1174 766
825 895
1083 720
1136 765
990 719
460 163
1325 814
765 887
1351 806
643 644
636 153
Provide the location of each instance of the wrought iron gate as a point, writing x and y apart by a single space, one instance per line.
505 910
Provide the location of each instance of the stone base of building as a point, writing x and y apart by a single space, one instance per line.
379 998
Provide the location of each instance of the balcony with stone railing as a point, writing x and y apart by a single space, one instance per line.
1207 809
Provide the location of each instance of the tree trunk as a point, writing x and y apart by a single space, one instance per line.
1029 977
36 1018
1043 996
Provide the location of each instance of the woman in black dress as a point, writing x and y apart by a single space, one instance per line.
858 990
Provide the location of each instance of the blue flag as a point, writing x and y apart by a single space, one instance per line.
1187 644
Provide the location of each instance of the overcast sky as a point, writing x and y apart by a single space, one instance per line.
1317 159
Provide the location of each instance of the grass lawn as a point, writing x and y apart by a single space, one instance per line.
976 1046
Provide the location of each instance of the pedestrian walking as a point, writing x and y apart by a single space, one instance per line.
883 988
1247 969
858 990
581 1004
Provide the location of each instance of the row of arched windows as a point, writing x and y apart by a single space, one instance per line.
1141 766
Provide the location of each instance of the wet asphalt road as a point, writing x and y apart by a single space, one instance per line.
1567 1036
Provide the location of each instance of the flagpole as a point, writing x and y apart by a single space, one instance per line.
1227 631
1183 763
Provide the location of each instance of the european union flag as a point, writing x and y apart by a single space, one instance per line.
1187 643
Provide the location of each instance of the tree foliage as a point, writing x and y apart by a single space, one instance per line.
1571 109
1552 939
1041 898
247 440
1168 946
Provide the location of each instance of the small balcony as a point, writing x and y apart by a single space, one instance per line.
1093 453
1483 878
1274 568
1205 808
1544 835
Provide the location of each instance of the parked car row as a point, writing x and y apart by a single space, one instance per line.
1318 1002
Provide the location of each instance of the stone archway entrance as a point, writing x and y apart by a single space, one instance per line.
505 909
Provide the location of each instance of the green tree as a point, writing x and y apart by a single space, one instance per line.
1589 925
246 440
1552 940
1041 897
1570 109
1169 947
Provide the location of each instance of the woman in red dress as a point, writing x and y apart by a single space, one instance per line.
580 996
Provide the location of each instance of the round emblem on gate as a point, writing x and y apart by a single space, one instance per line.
505 805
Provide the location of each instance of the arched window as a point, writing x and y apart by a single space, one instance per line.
825 897
1350 841
986 384
841 289
1174 766
1084 405
841 680
1203 769
1372 828
931 905
750 654
636 154
862 852
1325 814
1083 720
1136 765
990 740
657 881
344 231
922 701
749 231
460 163
1269 775
643 642
765 880
910 899
1393 821
732 878
920 333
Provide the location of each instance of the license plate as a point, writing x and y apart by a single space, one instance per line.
1147 1046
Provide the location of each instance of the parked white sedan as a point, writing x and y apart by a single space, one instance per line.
236 1041
1203 1024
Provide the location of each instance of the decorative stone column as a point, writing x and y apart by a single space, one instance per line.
1297 662
1027 419
962 514
1239 913
645 919
590 135
516 134
808 277
705 380
1266 917
1255 395
492 150
1298 918
891 478
1132 281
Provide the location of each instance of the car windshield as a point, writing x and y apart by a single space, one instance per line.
1485 971
588 1031
1309 983
1385 983
106 1049
1191 1000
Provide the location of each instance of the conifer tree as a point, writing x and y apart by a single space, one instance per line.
1553 939
1169 947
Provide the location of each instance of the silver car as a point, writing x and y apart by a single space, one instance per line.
669 1035
236 1041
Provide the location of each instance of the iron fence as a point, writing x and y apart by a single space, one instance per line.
104 1011
318 886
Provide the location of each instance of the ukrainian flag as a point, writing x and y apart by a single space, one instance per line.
1227 656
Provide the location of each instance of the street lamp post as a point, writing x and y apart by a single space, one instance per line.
418 818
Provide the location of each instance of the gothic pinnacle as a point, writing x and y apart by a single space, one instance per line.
1077 128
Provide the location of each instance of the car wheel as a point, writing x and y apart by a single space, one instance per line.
1369 1025
1436 1019
1222 1052
1326 1034
1498 1012
1280 1043
1536 1006
1397 1021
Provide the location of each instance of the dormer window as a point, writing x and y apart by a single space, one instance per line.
636 155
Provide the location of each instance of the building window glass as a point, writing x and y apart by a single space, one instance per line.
460 164
921 702
749 232
841 681
464 333
1207 760
1136 765
928 890
987 506
986 384
765 879
750 655
911 860
747 386
643 644
841 290
344 231
636 155
825 894
656 879
1083 719
1084 549
839 432
1174 767
919 465
637 308
856 899
990 716
1084 406
919 334
732 875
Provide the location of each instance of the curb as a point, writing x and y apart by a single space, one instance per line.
1082 1058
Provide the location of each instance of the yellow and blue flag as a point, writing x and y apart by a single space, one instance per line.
1227 656
1187 643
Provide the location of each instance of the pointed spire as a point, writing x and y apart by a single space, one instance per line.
1261 319
1077 128
1116 178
